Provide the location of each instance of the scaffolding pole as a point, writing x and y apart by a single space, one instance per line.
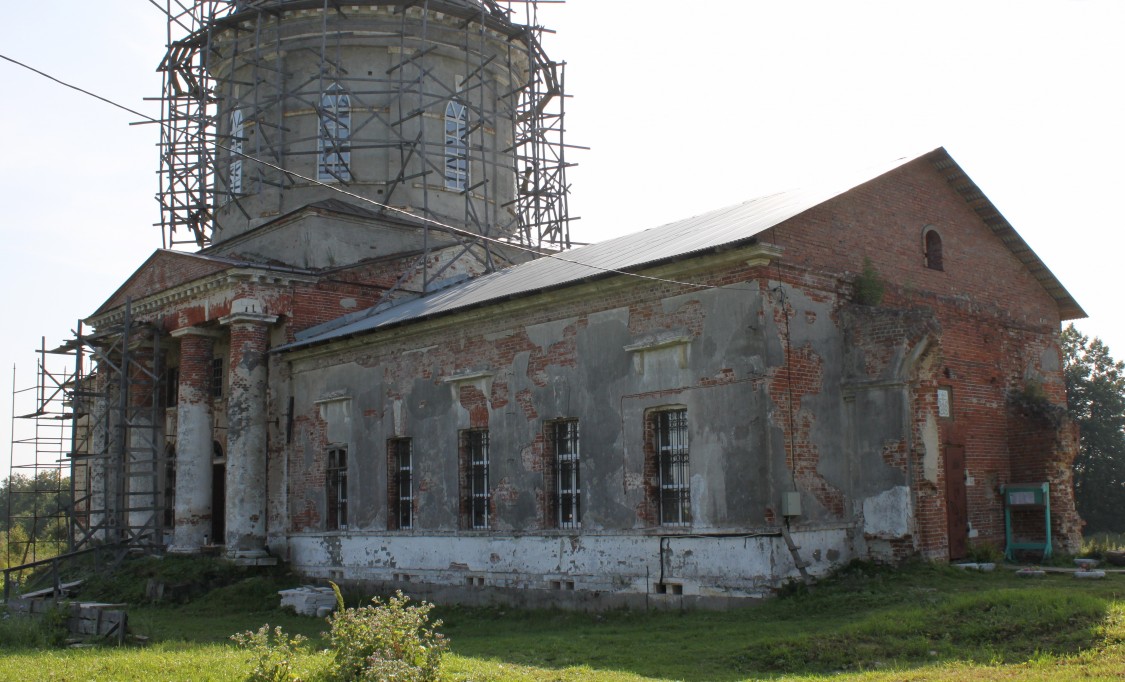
205 71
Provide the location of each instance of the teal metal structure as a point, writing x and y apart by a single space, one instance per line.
1027 498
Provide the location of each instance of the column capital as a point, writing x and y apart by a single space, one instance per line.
247 310
195 331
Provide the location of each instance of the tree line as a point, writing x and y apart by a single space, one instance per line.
33 510
1095 385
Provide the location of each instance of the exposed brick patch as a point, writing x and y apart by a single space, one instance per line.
527 404
894 454
474 400
649 317
499 396
788 386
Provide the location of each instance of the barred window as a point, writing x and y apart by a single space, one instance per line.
334 147
217 378
566 500
400 491
670 430
476 496
336 480
456 146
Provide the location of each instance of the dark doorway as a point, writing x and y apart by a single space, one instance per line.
956 503
218 498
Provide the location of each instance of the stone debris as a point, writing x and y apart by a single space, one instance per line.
309 600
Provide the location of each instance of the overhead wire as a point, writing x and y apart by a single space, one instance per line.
340 190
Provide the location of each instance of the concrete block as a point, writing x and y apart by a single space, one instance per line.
309 600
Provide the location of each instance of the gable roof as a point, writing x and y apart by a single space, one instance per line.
166 269
725 227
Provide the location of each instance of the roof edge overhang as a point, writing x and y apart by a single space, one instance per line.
658 270
990 215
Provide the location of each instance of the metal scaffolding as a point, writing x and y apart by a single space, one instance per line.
96 450
92 468
39 480
201 80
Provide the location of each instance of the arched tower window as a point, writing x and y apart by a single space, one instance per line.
236 132
931 243
334 146
456 146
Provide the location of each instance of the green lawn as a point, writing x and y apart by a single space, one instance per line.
920 622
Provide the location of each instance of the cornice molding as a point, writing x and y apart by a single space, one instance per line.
196 288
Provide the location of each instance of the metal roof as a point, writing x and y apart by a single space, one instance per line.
721 228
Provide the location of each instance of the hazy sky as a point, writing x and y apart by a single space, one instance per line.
687 107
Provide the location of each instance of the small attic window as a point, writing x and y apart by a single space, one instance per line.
931 244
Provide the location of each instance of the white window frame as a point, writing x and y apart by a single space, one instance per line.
237 131
456 146
333 146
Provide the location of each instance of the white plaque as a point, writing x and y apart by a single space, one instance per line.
943 408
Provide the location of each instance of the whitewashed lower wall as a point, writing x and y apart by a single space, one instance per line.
701 566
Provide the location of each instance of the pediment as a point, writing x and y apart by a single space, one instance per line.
164 269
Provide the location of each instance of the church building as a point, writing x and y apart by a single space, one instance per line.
383 366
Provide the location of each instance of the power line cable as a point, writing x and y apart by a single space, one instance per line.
335 188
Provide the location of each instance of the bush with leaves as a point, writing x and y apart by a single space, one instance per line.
273 653
391 641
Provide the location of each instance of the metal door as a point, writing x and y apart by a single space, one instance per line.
956 503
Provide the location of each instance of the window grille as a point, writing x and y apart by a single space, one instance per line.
474 446
567 471
400 497
217 378
671 430
337 483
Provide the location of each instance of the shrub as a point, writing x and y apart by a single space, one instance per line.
868 285
392 641
273 653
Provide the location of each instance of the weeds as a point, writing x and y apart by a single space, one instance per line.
273 651
869 285
44 631
1100 543
391 641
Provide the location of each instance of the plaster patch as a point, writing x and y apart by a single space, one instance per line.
547 333
887 515
930 440
337 415
399 424
1049 360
